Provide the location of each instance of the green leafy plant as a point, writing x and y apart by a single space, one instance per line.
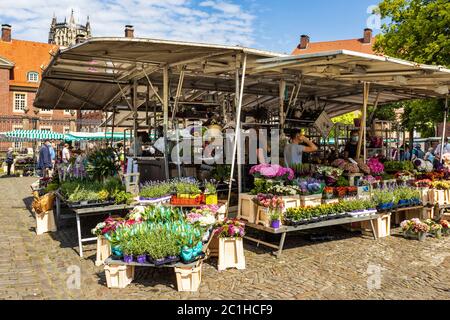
123 197
382 197
156 190
102 163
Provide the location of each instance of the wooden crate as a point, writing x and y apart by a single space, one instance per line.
382 226
231 254
103 250
428 213
424 196
330 201
247 209
311 201
189 279
438 197
119 276
45 222
262 216
291 202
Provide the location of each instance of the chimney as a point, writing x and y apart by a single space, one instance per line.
129 31
304 42
80 38
6 32
367 35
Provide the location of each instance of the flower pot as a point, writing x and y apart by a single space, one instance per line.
117 252
159 262
141 258
422 236
211 199
187 254
173 259
275 224
127 258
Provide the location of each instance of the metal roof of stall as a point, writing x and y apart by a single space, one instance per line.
96 74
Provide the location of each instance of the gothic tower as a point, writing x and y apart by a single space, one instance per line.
65 33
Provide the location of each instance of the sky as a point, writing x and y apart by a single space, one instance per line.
263 24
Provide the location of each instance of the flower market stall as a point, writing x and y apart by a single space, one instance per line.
235 87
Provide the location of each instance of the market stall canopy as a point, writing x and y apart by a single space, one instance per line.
32 135
93 136
391 79
98 74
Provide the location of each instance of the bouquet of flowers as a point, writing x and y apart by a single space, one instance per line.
270 202
425 183
364 167
204 219
230 228
445 226
367 181
376 167
414 226
269 171
110 224
339 163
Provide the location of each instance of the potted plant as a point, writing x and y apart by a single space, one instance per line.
445 227
328 193
211 193
435 228
415 228
383 199
128 249
231 248
275 219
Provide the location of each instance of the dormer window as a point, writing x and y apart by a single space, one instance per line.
33 76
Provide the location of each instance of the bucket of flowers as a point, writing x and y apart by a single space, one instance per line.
415 229
328 192
445 227
272 173
435 228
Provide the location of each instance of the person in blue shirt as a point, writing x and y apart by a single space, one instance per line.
45 159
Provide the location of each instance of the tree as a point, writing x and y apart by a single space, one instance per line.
416 30
419 31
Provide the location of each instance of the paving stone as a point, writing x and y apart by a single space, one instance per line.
34 267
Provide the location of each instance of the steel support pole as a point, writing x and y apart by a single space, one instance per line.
363 128
135 131
166 92
237 135
444 129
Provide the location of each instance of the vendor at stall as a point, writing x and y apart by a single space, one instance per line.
351 148
299 144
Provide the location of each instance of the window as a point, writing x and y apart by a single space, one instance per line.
68 112
49 129
33 76
46 110
17 145
66 130
20 102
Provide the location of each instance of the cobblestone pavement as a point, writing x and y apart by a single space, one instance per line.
36 267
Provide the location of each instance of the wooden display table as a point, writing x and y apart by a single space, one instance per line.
84 211
284 230
120 274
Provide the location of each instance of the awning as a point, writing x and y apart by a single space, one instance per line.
97 74
32 135
95 136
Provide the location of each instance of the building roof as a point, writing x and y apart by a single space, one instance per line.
5 63
27 56
352 45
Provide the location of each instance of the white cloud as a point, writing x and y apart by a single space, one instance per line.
222 22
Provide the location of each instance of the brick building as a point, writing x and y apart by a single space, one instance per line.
21 65
364 44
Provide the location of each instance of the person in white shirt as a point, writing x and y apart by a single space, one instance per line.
65 155
437 152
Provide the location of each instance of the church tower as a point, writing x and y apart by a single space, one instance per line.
65 33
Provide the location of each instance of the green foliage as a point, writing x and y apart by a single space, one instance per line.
156 190
416 30
261 186
422 115
345 119
405 193
221 172
297 214
102 163
342 182
123 197
395 166
384 112
113 185
382 197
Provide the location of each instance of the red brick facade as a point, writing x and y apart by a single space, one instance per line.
18 91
